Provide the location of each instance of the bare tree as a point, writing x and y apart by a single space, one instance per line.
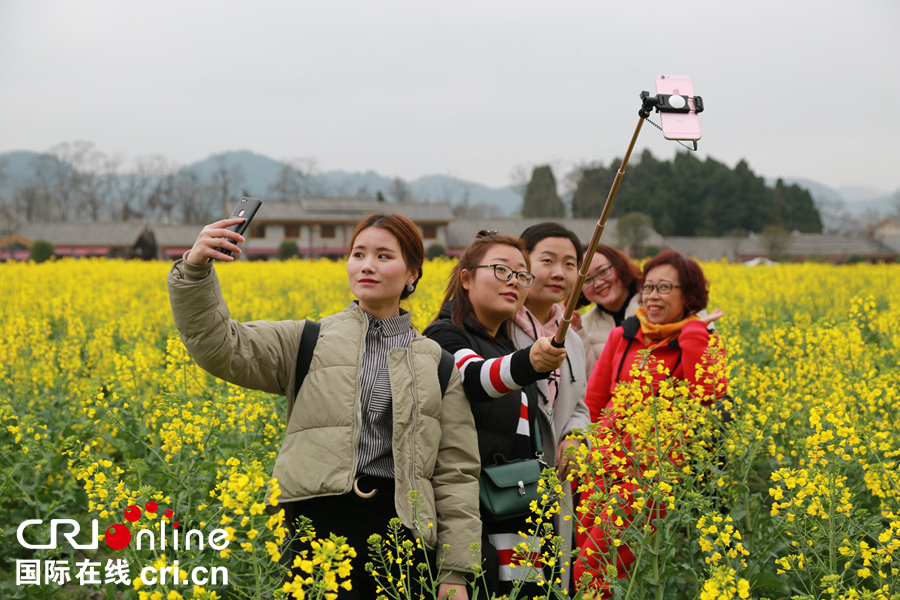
226 181
571 179
632 230
8 215
294 180
92 182
64 177
195 201
159 191
33 198
127 190
520 176
288 185
399 191
465 209
776 240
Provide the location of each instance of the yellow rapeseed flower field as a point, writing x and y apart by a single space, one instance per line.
101 408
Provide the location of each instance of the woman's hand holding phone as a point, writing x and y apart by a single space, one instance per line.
215 236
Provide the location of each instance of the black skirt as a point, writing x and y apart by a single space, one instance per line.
356 519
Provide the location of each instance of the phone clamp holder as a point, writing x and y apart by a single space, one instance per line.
668 103
678 104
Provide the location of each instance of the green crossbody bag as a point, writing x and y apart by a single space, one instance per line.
506 490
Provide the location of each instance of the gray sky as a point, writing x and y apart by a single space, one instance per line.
463 88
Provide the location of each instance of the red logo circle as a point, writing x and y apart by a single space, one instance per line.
117 536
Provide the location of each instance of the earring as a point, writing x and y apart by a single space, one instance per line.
409 287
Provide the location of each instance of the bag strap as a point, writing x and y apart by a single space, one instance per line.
308 340
622 362
534 419
310 336
445 370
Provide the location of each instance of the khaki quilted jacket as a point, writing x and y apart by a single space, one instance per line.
435 446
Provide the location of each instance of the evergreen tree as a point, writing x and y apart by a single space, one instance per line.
541 198
591 193
688 196
796 208
633 230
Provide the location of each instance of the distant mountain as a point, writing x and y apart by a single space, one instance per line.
861 193
865 199
16 166
444 188
259 172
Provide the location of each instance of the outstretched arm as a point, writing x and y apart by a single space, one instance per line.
258 355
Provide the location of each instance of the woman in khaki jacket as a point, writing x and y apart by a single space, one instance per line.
369 424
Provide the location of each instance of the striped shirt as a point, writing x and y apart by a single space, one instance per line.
375 456
494 378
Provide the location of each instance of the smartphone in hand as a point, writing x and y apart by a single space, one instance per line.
679 126
245 209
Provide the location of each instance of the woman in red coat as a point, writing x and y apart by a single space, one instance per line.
672 291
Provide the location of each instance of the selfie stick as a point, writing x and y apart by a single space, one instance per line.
662 104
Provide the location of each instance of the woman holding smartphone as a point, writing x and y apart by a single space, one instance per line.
373 379
487 287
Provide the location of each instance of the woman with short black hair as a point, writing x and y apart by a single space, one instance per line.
555 256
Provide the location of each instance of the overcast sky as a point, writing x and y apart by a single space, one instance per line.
463 88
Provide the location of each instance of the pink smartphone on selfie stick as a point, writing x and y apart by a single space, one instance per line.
679 91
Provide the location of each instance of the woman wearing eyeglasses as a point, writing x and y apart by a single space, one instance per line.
673 291
487 287
612 284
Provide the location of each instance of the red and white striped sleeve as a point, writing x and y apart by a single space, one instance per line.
484 379
492 377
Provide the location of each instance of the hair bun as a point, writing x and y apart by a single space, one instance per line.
486 233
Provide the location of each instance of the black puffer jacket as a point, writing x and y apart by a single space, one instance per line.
495 375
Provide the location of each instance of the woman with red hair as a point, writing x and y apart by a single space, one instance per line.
612 285
673 290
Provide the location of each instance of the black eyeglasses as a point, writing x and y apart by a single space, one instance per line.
662 288
600 275
504 273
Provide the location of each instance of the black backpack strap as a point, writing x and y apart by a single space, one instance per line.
308 340
445 370
622 362
630 327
